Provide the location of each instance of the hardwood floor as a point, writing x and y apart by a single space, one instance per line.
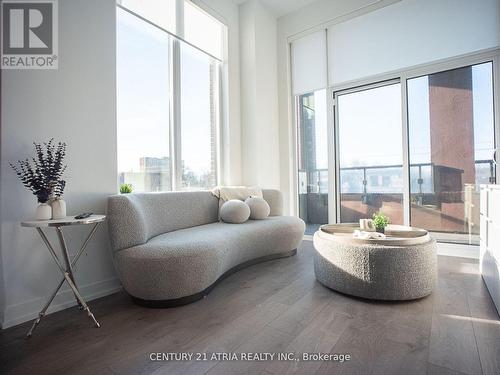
273 307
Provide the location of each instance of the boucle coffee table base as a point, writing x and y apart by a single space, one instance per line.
375 271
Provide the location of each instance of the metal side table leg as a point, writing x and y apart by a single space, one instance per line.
65 254
41 314
81 300
68 279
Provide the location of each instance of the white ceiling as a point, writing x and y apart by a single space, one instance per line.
281 7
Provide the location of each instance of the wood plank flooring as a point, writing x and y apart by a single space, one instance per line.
273 307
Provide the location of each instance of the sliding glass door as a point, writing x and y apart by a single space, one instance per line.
415 148
370 153
451 142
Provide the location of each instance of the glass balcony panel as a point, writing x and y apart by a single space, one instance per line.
451 139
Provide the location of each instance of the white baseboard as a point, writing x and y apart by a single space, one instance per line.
28 310
445 249
458 250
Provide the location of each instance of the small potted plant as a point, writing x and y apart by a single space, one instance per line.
380 221
42 175
126 188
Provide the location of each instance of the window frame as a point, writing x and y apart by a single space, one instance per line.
336 124
300 134
175 104
489 55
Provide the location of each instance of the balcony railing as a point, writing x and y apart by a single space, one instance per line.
441 201
423 184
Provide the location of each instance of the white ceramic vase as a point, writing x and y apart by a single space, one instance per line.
44 211
58 208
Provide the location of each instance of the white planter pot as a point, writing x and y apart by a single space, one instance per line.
43 212
58 209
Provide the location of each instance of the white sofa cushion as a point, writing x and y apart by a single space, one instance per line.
234 211
259 208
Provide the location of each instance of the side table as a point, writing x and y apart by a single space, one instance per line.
67 268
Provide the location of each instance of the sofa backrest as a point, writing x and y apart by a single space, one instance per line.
135 218
275 200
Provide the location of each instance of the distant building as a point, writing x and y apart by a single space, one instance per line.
154 175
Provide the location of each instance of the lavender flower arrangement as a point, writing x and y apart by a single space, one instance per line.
43 173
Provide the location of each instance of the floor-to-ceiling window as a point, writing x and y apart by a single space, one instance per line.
451 138
312 159
143 104
168 95
370 153
417 155
199 116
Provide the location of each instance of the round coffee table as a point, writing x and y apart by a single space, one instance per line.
403 266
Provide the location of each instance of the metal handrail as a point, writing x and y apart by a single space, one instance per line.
420 180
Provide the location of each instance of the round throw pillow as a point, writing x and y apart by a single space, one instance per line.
259 208
234 211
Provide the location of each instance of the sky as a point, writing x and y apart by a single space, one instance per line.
418 113
142 92
143 97
370 125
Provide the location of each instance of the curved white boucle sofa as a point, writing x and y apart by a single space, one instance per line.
170 249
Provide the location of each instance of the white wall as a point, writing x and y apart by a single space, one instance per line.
2 289
75 104
259 96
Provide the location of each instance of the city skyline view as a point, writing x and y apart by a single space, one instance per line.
143 66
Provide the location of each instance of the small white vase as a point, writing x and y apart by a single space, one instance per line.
43 212
58 209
